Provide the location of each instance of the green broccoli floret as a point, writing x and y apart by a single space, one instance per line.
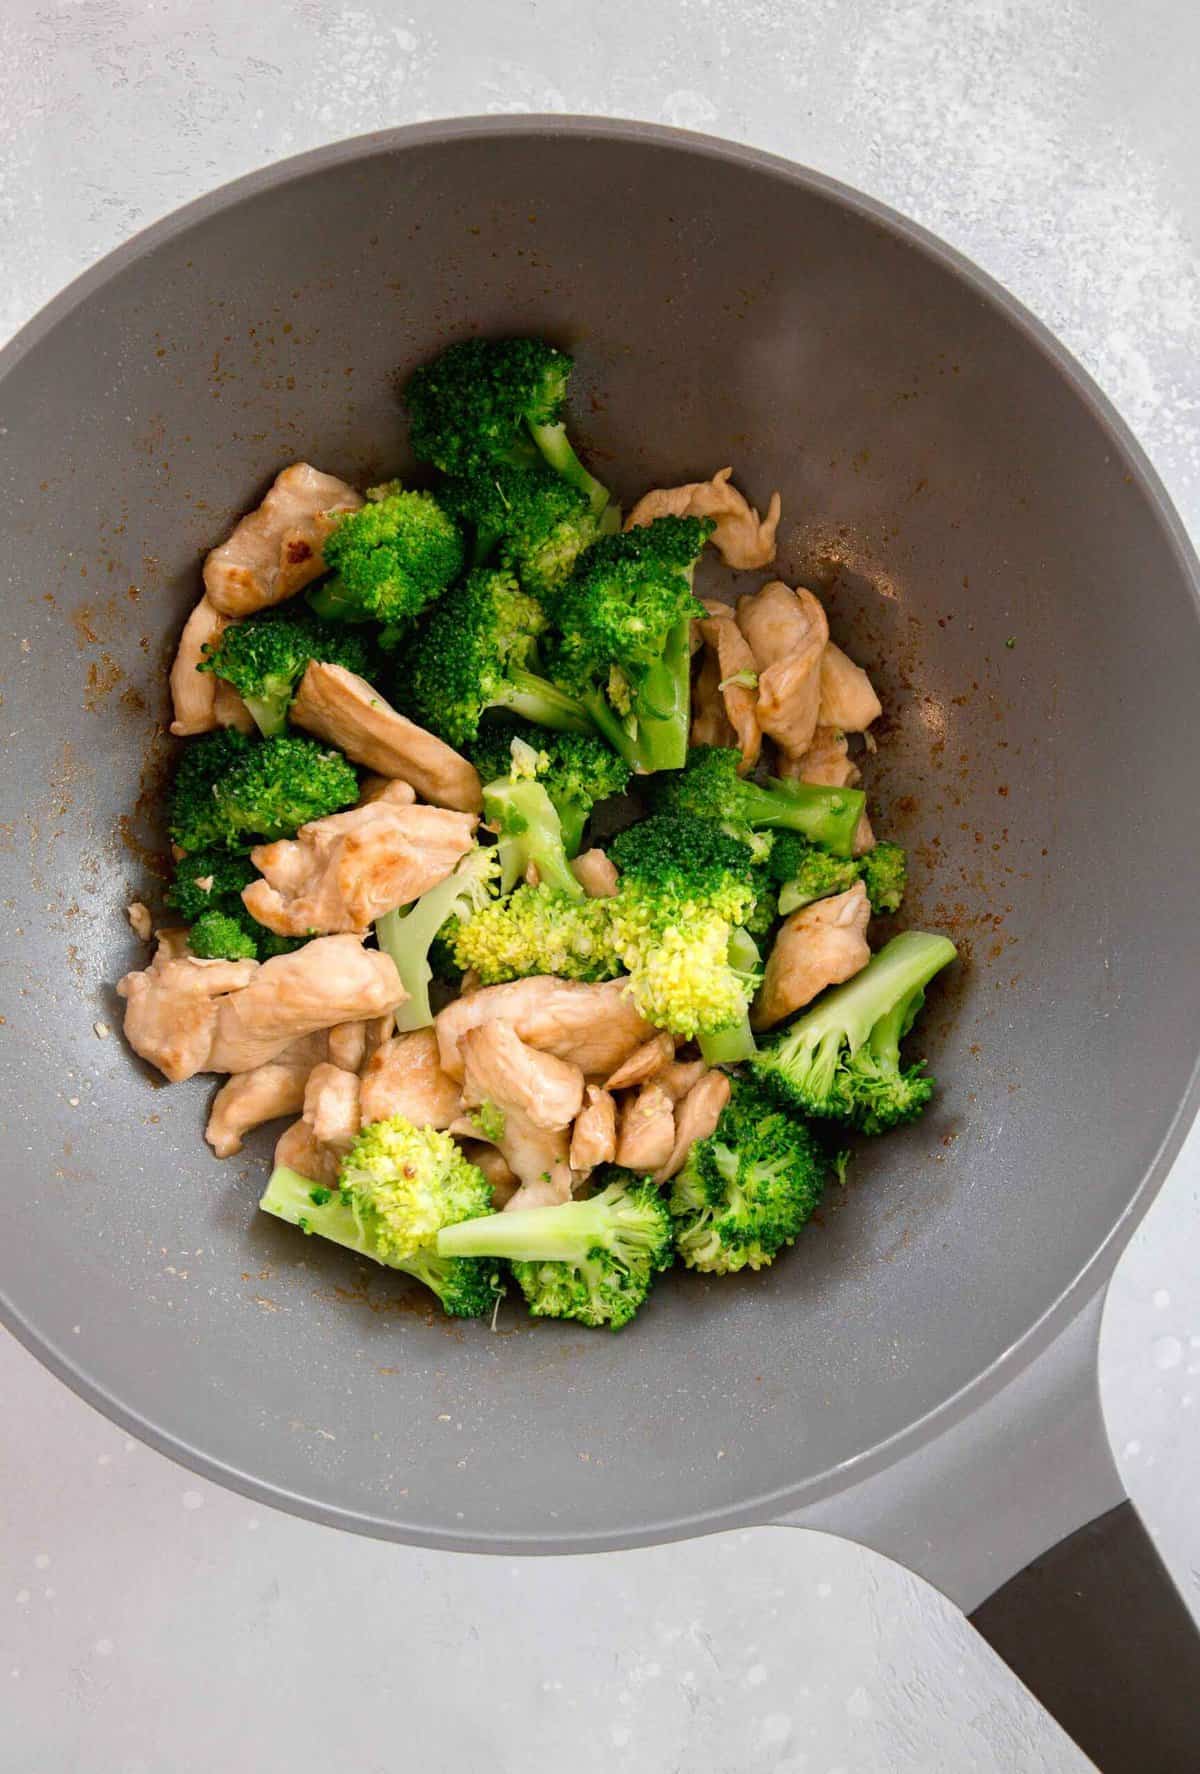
232 791
592 1260
209 880
265 657
710 786
528 834
221 936
398 1187
576 771
529 517
389 559
194 820
538 930
841 1059
489 402
407 934
747 1189
805 872
475 652
624 621
885 876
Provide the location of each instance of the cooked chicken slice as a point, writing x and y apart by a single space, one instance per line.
710 721
264 1094
404 1077
594 1136
331 1105
818 946
735 664
140 921
299 1149
230 711
340 873
172 1008
595 1026
848 699
681 1077
595 874
826 762
788 632
194 692
275 551
494 1166
864 837
352 1044
386 788
538 1097
644 1062
341 707
331 980
742 538
695 1118
646 1137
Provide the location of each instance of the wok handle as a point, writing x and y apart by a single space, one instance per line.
1096 1629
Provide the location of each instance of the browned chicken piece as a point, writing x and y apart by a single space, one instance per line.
695 1118
194 692
386 788
331 1105
594 1136
140 921
742 538
341 707
681 1077
818 946
646 1136
737 671
330 980
340 873
299 1149
494 1166
404 1077
710 721
230 710
644 1062
264 1094
595 874
848 699
538 1097
352 1044
595 1026
864 837
172 1007
275 551
788 633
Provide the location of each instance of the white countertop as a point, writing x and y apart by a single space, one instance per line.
152 1624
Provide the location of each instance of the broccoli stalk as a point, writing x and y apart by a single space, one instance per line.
730 1045
841 1059
265 656
408 932
529 833
389 559
710 786
592 1260
576 771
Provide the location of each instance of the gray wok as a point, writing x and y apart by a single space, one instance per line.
992 544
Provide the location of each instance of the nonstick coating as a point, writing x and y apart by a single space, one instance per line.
990 543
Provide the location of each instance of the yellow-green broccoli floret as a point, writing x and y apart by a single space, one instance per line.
537 930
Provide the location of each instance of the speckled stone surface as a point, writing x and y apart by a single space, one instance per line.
149 1622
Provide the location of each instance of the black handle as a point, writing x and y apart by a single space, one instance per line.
1096 1629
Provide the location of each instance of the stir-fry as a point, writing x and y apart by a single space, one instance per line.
534 891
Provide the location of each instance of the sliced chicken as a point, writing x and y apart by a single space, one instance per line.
644 1062
681 1077
230 710
646 1137
194 692
299 1149
404 1077
595 1026
331 980
742 538
595 874
737 672
275 550
386 788
594 1136
695 1118
340 873
788 633
848 699
331 1106
494 1166
263 1094
172 1008
818 946
341 707
140 921
538 1097
352 1044
710 719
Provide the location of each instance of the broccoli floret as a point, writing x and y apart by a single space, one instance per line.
841 1059
221 936
747 1189
624 647
209 880
535 522
489 402
538 930
407 934
194 819
529 834
265 657
231 791
474 652
389 559
398 1186
710 786
805 872
576 771
592 1260
885 876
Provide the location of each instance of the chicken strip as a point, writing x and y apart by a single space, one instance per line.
595 1026
386 788
742 538
737 673
710 721
194 692
352 1044
275 551
331 1106
594 1136
818 946
595 874
644 1062
299 1149
646 1137
341 707
267 1092
788 633
681 1077
848 698
172 1008
537 1096
331 980
494 1166
404 1077
342 872
695 1118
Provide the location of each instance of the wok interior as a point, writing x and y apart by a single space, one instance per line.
984 549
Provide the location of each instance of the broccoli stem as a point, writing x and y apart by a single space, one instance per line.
565 1234
553 442
889 992
290 1196
826 816
661 708
269 712
543 703
572 818
529 830
406 934
329 600
731 1045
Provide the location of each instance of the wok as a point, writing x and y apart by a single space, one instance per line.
920 1371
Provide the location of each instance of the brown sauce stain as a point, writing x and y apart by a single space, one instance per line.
103 676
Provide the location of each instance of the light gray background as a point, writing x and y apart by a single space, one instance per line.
151 1624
